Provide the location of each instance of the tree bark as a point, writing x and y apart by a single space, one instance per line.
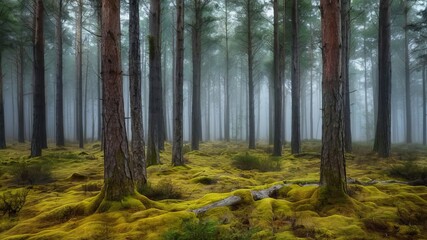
227 80
424 105
196 117
178 137
250 78
155 120
383 137
79 74
2 127
60 141
38 140
137 145
345 58
407 77
296 132
277 151
118 180
20 93
332 165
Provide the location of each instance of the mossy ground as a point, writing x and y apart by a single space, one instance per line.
61 208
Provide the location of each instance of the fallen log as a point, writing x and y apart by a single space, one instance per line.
232 200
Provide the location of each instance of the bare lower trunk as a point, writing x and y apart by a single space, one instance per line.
155 120
38 140
296 135
118 180
137 145
60 141
2 128
251 99
20 76
407 77
332 165
383 137
79 74
277 86
345 31
424 106
178 137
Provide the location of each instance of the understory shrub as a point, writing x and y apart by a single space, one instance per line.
408 171
11 202
165 189
250 162
25 173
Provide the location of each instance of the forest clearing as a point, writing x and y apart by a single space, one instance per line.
64 182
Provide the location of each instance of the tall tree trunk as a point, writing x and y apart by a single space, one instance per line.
196 117
118 179
282 72
367 125
99 67
227 80
60 140
20 76
332 165
277 151
39 107
155 120
79 74
382 136
2 127
407 77
178 137
250 79
137 145
296 132
424 105
345 58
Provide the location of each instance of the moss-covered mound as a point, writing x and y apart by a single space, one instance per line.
62 196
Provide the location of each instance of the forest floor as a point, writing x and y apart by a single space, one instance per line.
382 202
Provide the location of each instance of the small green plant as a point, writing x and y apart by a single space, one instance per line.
11 203
191 230
165 189
250 162
25 173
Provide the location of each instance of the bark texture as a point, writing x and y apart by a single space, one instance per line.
407 77
345 59
382 142
2 128
137 145
277 151
178 140
79 74
155 120
38 140
296 132
60 141
332 165
20 78
251 97
118 181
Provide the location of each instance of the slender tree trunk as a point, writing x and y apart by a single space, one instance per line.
99 67
39 108
118 179
382 136
2 127
424 106
196 117
155 120
345 58
79 74
277 151
208 109
137 145
20 76
332 165
60 140
178 137
311 83
250 79
296 132
227 79
283 72
407 77
367 125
